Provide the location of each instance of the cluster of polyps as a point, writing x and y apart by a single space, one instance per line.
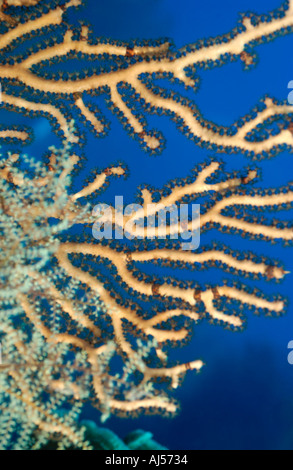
126 79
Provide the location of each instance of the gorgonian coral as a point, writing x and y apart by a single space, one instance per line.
71 304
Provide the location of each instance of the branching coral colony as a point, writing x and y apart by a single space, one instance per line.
61 314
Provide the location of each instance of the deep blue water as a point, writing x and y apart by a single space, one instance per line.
243 399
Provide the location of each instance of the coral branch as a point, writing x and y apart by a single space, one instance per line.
126 75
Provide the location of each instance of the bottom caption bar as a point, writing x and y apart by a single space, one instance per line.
142 458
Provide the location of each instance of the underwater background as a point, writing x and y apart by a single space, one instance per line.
243 399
